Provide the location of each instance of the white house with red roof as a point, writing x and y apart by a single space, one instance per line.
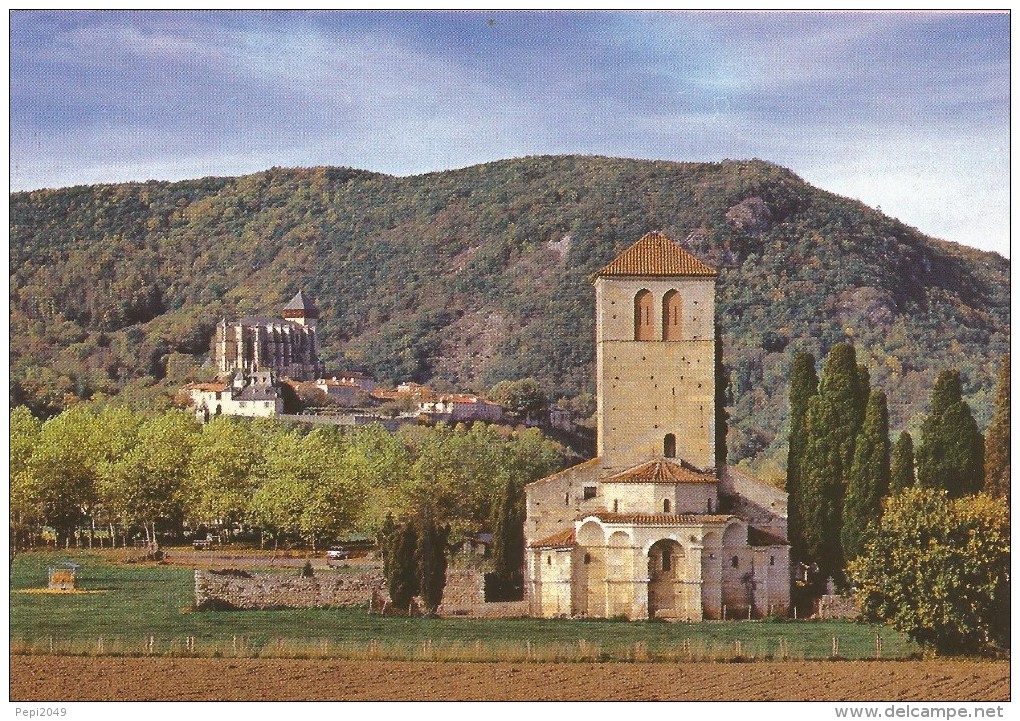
655 526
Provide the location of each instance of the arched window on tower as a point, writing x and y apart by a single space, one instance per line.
665 505
669 446
672 315
643 329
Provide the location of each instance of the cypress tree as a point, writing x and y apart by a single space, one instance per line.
901 474
508 536
432 562
868 483
997 439
403 581
951 452
803 386
834 418
722 384
385 539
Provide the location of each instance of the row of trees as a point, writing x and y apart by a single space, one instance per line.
112 469
925 543
840 467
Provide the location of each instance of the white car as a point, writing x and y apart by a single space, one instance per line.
337 553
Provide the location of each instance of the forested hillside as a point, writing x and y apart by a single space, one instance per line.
465 278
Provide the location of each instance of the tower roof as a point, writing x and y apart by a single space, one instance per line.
300 306
655 254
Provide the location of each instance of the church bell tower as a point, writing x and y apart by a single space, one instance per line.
655 356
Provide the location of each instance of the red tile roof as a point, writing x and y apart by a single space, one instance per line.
657 255
563 539
208 387
655 519
662 471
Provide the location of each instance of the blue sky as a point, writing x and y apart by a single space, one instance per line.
906 111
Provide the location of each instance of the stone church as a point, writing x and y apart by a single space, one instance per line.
287 346
653 527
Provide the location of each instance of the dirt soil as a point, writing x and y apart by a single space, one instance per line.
45 678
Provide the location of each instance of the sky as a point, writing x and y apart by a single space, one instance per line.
908 112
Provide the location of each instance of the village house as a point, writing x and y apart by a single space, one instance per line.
456 407
255 395
654 527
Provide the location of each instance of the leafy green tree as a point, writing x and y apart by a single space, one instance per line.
432 561
521 398
901 474
223 473
25 509
951 452
803 386
833 421
66 465
869 477
148 482
938 570
404 581
997 439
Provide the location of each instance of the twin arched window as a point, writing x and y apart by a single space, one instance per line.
672 316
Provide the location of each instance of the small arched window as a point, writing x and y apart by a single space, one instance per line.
616 506
672 316
709 505
548 560
665 506
669 446
643 328
735 562
587 558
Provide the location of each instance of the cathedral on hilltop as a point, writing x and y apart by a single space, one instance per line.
287 346
654 526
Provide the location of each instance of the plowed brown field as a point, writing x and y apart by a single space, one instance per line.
46 678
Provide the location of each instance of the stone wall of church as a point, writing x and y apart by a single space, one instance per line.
649 497
554 503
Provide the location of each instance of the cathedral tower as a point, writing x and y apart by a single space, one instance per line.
655 356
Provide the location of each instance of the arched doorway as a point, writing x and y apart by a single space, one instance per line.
667 569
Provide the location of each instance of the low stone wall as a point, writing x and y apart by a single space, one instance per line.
233 589
834 606
464 594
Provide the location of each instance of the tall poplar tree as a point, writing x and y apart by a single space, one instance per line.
868 483
803 386
901 475
834 418
997 440
951 451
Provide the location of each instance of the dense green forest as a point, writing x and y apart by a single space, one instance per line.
469 277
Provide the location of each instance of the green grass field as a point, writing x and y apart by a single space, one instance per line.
145 609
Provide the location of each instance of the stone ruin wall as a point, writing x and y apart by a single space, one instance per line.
463 596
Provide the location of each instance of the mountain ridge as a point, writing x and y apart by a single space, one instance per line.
466 277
